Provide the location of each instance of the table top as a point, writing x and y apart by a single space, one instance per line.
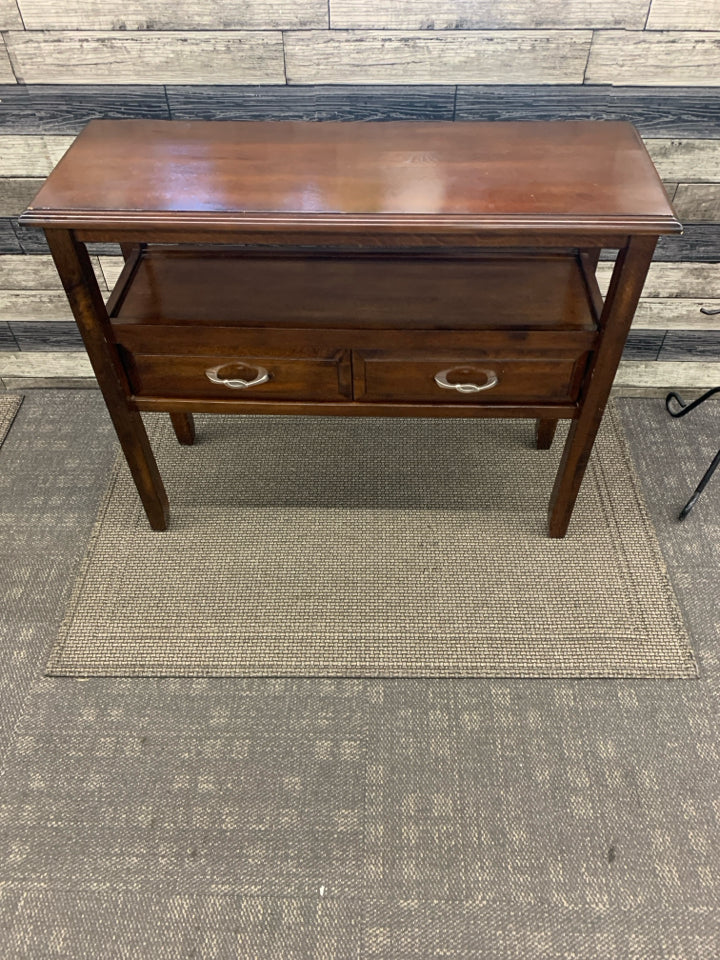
465 176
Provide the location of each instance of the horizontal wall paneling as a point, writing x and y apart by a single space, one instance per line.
686 160
684 15
47 337
377 56
8 343
697 201
230 56
30 156
312 103
10 16
65 109
691 345
656 111
174 15
471 15
694 280
6 70
639 58
16 194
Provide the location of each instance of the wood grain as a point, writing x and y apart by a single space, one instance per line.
698 201
638 58
34 305
146 57
376 56
30 156
35 273
47 336
700 241
7 340
28 364
691 345
16 193
9 243
312 103
686 161
657 373
655 111
171 15
471 15
693 280
675 313
684 15
643 344
65 109
10 16
7 74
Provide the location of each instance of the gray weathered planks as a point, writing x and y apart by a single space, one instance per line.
51 364
693 280
30 156
377 56
698 201
657 373
690 345
684 15
34 305
638 58
6 71
7 340
65 109
675 313
36 273
471 15
9 242
10 16
312 103
686 160
230 56
16 194
655 111
700 241
171 15
43 336
640 344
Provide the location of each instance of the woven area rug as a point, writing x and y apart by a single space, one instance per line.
377 548
9 406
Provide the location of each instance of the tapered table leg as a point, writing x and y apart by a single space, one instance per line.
76 272
544 433
625 288
184 427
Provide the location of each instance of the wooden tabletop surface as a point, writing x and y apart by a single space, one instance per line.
465 175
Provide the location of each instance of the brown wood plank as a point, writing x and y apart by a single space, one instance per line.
330 292
412 176
231 56
377 56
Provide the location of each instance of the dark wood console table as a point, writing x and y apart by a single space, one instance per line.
391 269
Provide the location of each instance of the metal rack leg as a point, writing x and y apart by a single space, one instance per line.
685 408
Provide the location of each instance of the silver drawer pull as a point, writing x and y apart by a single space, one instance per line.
441 379
261 376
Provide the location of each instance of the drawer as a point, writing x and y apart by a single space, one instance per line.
454 378
240 378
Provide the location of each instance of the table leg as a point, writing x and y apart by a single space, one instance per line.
625 288
544 433
184 427
76 272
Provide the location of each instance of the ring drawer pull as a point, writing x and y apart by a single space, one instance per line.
262 376
441 379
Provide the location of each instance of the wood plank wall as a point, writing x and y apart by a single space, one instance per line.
653 62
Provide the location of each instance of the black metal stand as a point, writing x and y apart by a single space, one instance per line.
686 408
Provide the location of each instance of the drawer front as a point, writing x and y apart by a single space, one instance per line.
457 379
241 378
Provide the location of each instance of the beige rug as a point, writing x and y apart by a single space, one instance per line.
373 547
9 406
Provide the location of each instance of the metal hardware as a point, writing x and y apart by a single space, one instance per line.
441 379
262 376
709 312
684 408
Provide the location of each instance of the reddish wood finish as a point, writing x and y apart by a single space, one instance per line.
184 426
545 433
374 256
